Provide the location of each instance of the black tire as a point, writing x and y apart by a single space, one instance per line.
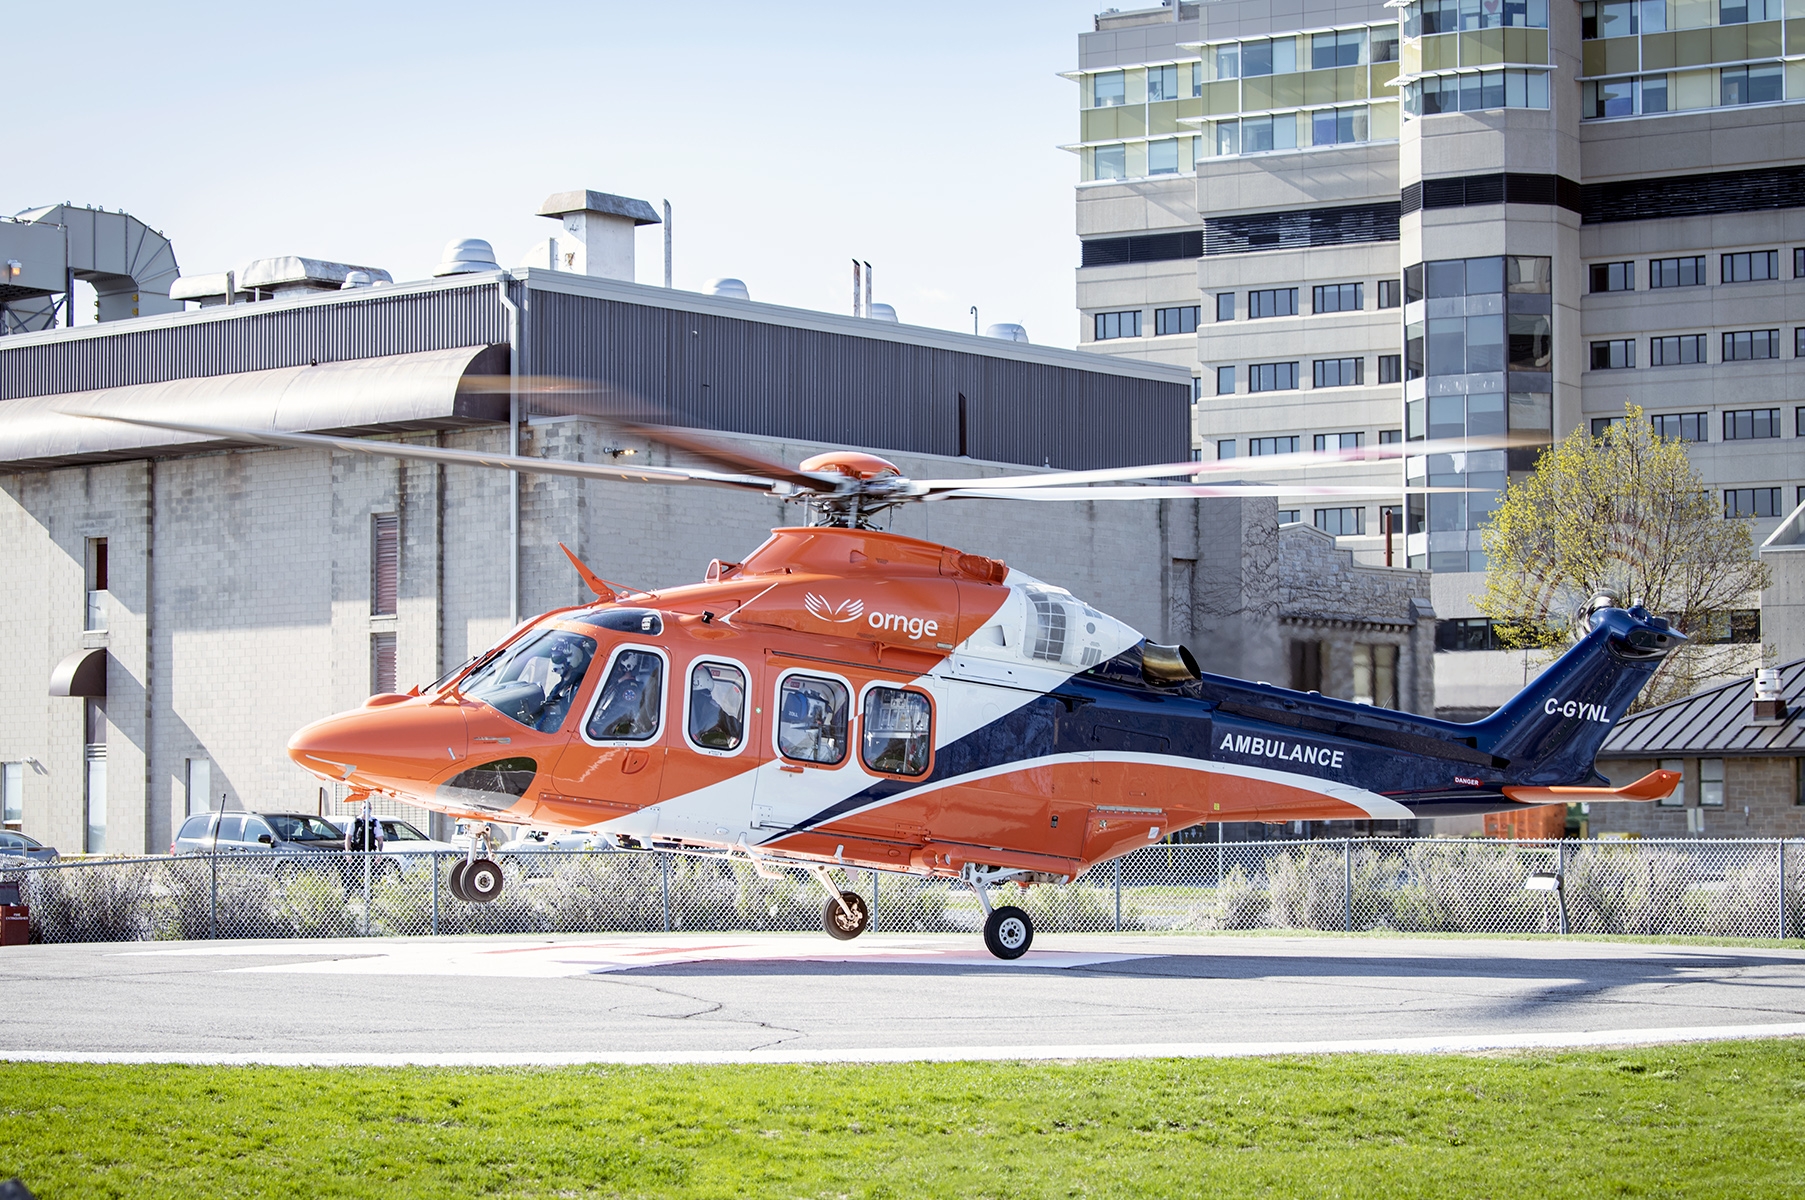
457 879
839 925
482 881
1008 932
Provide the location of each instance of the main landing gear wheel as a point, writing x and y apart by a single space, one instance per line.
844 925
481 881
1008 932
457 879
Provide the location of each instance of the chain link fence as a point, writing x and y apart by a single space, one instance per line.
1672 888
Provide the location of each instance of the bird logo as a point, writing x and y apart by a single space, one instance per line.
839 614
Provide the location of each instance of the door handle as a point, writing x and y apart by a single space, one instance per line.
634 762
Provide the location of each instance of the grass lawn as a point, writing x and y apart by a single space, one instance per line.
1691 1121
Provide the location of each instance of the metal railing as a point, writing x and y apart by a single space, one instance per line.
1670 888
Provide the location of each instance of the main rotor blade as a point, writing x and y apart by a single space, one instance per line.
466 458
552 395
1299 461
1169 492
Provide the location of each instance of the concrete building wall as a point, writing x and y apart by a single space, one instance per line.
1761 799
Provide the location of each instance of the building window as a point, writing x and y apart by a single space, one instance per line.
1175 320
1272 302
1162 157
1339 49
1677 272
1798 343
1798 263
1746 423
1688 427
1338 297
1677 799
95 615
1340 372
1752 85
1614 277
1710 783
1391 437
1275 56
1752 266
1376 675
1600 425
1741 627
1466 633
1475 92
382 663
1225 381
1196 388
1340 441
1225 307
1391 368
1613 355
1162 83
385 562
1225 449
1272 377
1271 445
1676 351
1735 12
1752 502
1751 344
1391 519
12 794
1798 422
1446 16
94 783
1196 79
1623 97
1391 293
1108 89
197 785
1289 516
1276 132
1118 325
1341 522
1110 162
1306 666
1228 61
1385 44
1338 126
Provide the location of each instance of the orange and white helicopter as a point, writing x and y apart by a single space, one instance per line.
846 697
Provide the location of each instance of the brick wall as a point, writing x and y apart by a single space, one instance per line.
1760 800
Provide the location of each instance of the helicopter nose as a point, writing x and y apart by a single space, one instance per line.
398 746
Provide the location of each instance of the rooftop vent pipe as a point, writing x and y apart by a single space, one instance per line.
597 238
882 312
1006 332
733 288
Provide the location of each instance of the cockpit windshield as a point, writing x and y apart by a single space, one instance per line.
534 681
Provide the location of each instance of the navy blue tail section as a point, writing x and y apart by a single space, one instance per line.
1553 728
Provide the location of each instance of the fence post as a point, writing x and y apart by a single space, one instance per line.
665 860
435 893
213 895
1560 880
1118 866
874 879
1347 879
1781 890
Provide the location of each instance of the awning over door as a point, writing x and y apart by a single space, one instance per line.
83 673
436 389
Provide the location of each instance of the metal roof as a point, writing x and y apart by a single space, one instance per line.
1718 721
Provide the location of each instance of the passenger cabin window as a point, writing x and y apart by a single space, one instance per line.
898 732
534 681
626 709
812 717
717 706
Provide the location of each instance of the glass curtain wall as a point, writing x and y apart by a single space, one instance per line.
1479 346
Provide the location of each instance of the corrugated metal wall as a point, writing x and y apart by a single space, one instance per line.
719 372
256 339
697 369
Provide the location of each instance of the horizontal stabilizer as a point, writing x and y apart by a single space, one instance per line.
1655 785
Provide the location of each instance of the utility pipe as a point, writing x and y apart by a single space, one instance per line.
513 448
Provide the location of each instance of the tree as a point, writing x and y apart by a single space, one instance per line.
1621 512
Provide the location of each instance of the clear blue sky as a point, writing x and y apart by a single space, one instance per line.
789 138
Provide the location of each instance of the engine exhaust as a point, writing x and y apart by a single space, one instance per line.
1167 665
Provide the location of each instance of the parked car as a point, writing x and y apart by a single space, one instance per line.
532 842
256 833
400 841
499 833
18 845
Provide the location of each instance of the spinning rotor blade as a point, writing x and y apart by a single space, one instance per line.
469 458
554 396
1390 452
1164 492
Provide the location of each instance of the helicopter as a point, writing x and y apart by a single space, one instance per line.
845 697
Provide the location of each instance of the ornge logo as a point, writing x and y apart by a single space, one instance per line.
1572 708
839 614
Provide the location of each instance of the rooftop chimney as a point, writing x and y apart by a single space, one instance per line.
1770 698
597 238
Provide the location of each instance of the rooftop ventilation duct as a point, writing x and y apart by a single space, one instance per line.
597 238
732 288
466 256
1006 332
882 312
130 265
274 278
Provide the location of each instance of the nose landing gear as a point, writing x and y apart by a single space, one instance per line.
477 880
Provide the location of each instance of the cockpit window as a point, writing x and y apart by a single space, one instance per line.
627 707
717 706
812 719
534 681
